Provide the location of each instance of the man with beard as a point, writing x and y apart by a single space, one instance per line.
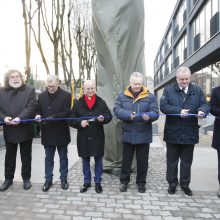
17 102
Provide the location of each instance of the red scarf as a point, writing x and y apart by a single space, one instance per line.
90 101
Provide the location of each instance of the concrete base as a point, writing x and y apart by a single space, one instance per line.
205 170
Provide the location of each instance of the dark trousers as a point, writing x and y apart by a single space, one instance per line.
218 150
142 154
87 171
49 162
10 159
184 153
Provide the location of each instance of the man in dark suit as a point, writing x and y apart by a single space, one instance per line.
55 134
215 110
183 103
17 102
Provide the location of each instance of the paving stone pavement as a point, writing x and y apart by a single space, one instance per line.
155 204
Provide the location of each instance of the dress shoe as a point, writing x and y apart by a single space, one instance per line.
47 186
141 188
27 184
187 191
84 187
171 190
98 188
123 187
218 193
64 184
6 185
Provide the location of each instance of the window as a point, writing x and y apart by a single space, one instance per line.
168 67
206 24
180 51
180 18
168 40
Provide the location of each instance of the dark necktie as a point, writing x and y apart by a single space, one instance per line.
184 92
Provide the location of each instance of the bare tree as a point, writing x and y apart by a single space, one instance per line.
83 35
26 12
65 26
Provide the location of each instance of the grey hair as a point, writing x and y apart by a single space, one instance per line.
183 69
136 75
7 75
51 78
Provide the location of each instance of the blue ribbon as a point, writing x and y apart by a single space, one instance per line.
93 117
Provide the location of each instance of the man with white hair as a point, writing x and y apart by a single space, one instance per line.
183 103
137 108
55 134
17 102
92 113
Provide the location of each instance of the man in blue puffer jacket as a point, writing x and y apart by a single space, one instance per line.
183 103
137 108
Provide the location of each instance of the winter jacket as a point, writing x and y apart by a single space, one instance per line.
91 139
21 103
180 130
57 105
215 110
136 131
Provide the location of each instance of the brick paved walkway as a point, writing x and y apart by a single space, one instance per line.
156 203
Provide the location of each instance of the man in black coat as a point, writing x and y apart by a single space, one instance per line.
55 134
183 103
93 113
17 102
215 110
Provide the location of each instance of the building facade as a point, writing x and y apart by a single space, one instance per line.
192 39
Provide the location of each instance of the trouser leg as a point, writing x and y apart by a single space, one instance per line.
86 170
98 170
49 162
218 152
173 154
10 160
128 153
62 151
142 153
186 159
26 158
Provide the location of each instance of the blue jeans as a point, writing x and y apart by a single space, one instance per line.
49 162
87 171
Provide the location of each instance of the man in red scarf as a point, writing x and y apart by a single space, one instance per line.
93 113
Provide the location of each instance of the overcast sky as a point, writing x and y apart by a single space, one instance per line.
157 16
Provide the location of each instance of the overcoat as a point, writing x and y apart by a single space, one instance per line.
90 140
215 110
54 106
22 103
180 130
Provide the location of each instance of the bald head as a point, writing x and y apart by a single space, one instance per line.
89 88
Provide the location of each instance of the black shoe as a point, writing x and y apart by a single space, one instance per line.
98 188
64 184
27 184
187 191
84 187
47 186
6 185
171 190
123 187
141 188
